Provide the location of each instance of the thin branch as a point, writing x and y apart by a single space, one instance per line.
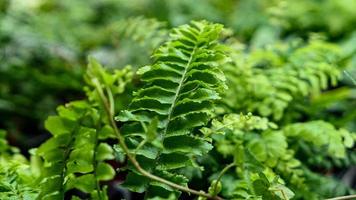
343 197
221 175
95 164
108 109
350 77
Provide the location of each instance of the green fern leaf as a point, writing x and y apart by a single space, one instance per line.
71 155
320 133
269 80
147 32
18 179
181 87
75 155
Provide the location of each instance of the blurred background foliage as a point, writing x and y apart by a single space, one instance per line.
44 45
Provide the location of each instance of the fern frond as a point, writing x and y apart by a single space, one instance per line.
275 149
258 150
181 87
269 80
17 179
147 32
322 134
74 158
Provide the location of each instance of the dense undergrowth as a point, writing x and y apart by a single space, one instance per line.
261 107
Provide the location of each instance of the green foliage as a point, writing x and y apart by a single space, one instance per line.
256 150
75 155
325 185
181 123
293 16
148 33
181 86
321 134
44 43
135 34
17 179
260 152
268 80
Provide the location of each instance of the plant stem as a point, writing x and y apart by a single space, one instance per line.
221 175
350 77
343 197
109 111
95 164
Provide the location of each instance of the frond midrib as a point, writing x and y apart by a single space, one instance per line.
170 111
